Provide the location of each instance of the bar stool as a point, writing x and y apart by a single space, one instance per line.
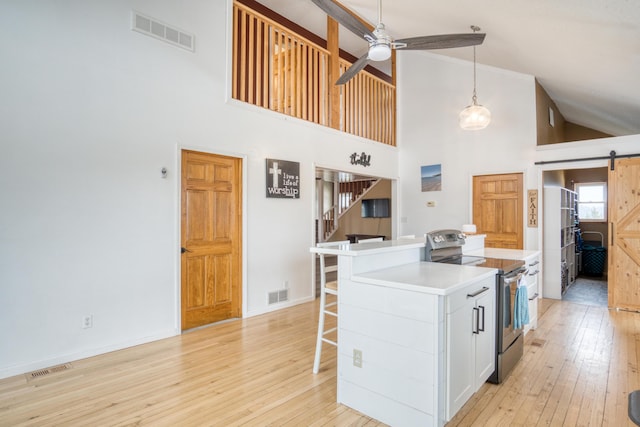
326 287
634 407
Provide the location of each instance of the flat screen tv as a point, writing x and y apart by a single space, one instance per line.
375 208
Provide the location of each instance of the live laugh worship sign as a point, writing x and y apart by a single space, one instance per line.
283 179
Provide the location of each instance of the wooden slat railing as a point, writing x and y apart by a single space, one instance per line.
278 69
367 106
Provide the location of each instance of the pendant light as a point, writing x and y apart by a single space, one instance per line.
474 116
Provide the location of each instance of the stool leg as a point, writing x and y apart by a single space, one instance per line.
323 302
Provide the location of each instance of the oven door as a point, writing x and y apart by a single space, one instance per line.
508 286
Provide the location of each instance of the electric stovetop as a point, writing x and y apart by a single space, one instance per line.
504 265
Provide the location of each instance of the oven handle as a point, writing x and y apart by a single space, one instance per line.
478 292
533 297
511 279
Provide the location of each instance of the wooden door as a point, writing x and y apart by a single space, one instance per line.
210 238
498 209
624 235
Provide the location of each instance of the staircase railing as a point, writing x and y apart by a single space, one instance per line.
349 192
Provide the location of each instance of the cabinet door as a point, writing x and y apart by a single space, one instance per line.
485 340
460 363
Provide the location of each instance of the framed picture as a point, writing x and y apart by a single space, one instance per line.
431 178
283 179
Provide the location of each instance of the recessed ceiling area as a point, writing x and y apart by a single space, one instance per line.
585 53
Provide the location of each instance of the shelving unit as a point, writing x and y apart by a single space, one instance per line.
560 219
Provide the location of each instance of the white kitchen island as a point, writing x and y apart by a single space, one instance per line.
415 339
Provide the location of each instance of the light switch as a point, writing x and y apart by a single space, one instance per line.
431 204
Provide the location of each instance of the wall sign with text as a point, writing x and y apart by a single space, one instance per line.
362 159
532 208
283 179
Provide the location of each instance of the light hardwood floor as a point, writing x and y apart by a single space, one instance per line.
577 369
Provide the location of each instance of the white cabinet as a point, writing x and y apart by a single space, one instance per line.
559 248
406 343
470 335
533 266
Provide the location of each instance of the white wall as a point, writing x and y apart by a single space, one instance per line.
90 112
432 91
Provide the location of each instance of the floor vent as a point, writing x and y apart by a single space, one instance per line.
538 342
161 31
278 296
47 371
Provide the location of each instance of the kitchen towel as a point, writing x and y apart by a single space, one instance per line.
521 306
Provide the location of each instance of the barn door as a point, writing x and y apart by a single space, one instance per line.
624 235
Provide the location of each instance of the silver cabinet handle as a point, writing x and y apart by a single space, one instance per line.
534 296
478 292
476 330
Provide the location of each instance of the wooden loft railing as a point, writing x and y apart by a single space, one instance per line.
276 68
367 104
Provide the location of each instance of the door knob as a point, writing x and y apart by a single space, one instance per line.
183 250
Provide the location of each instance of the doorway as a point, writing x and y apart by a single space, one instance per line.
338 210
586 284
211 259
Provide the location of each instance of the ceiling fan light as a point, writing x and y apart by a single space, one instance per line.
475 117
379 52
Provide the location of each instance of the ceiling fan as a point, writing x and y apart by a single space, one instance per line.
381 43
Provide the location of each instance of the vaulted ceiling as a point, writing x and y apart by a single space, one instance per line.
585 53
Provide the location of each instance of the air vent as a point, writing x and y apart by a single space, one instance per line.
161 31
47 371
278 296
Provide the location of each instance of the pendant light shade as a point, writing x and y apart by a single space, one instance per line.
474 116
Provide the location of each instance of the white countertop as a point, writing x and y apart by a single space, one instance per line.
504 253
370 248
427 277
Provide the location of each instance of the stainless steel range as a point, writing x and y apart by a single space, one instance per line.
446 246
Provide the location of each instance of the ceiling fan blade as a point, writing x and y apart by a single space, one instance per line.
345 19
354 69
444 41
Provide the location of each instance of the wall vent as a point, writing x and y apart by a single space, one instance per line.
161 31
278 296
44 372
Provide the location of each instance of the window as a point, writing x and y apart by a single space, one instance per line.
592 201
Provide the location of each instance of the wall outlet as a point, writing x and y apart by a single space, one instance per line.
357 358
87 321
